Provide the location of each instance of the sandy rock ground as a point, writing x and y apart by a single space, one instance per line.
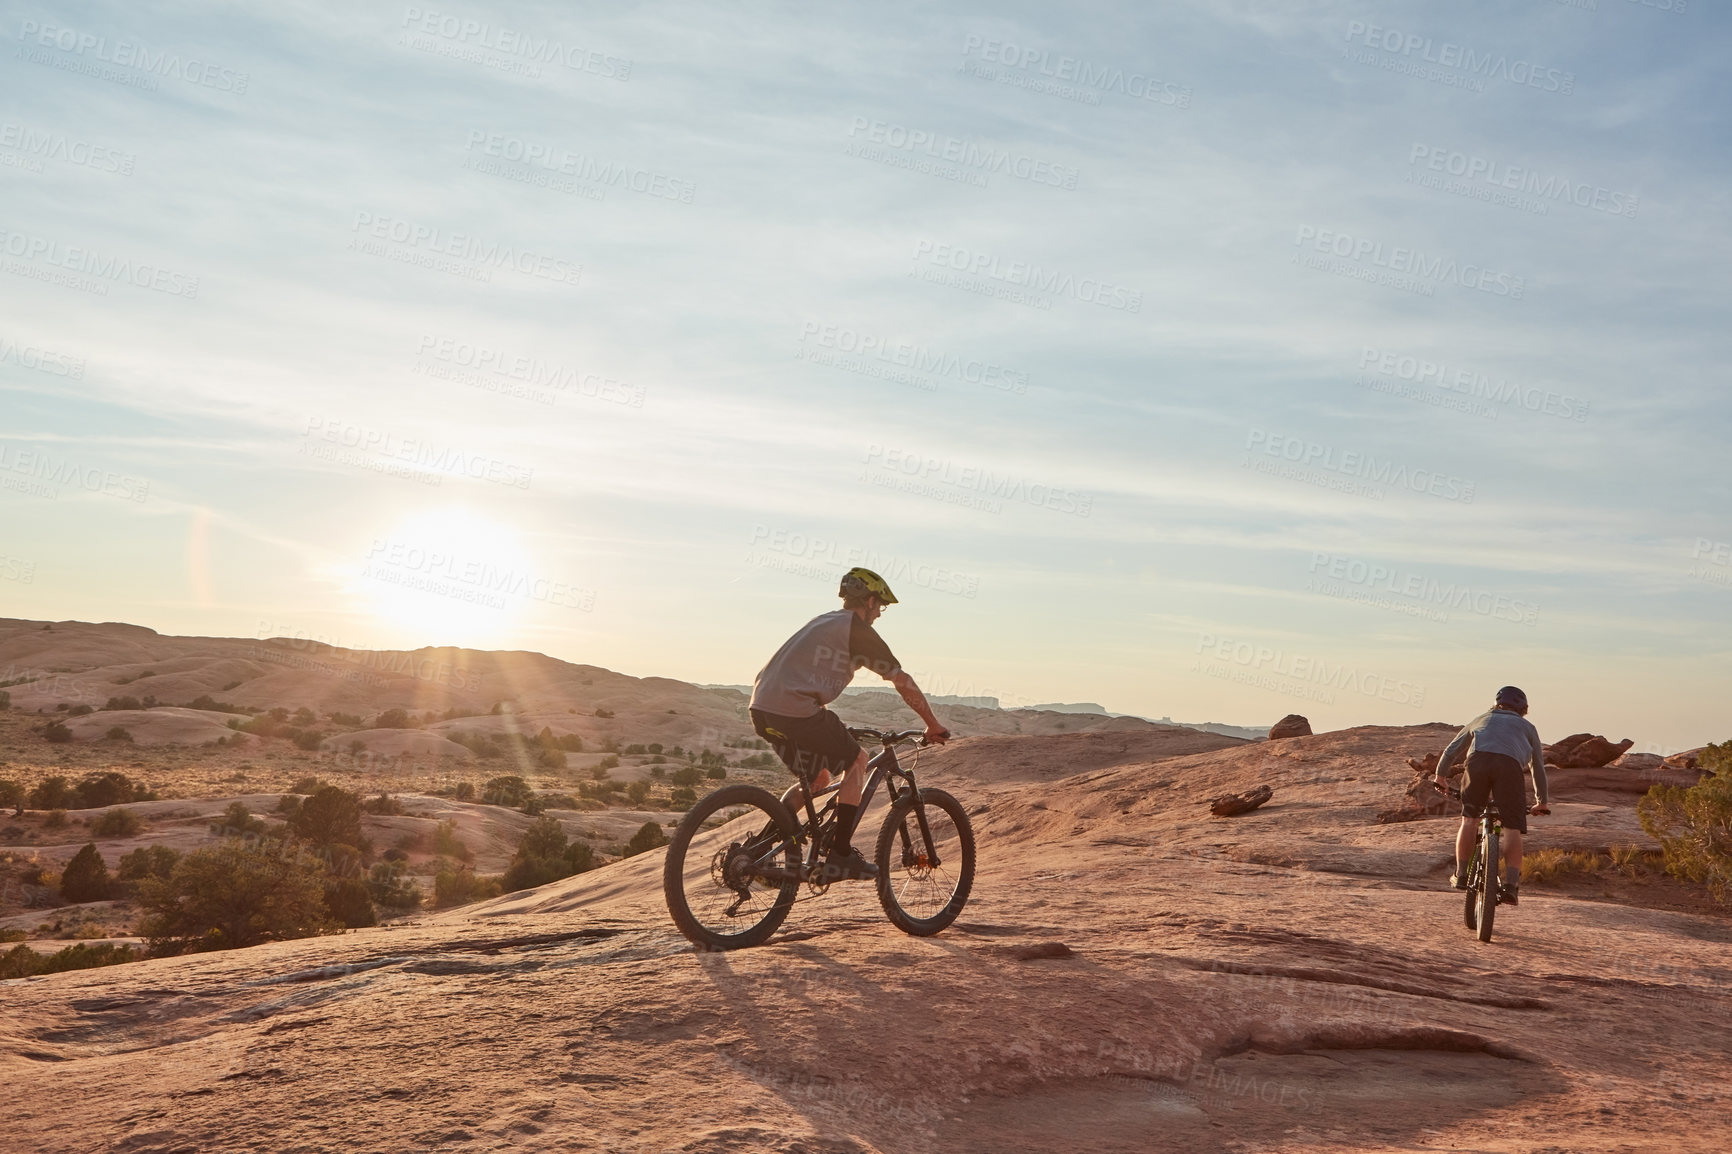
1294 979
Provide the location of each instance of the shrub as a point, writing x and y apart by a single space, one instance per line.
383 806
128 702
348 720
154 861
350 902
656 769
571 743
5 700
682 797
309 739
1717 759
446 843
635 750
686 775
1694 829
465 791
56 819
460 886
306 785
509 790
102 789
533 806
12 794
638 791
545 855
599 770
649 836
391 886
237 820
80 710
392 719
655 747
24 962
600 712
1550 866
120 822
716 773
232 895
57 733
331 816
85 878
304 716
118 733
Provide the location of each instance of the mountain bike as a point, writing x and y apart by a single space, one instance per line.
1483 885
737 861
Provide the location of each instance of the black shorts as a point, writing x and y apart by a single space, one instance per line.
1499 777
807 745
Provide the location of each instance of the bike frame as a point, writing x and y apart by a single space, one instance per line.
882 769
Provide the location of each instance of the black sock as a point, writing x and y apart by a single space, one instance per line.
842 834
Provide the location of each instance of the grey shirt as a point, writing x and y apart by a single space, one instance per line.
814 666
1500 731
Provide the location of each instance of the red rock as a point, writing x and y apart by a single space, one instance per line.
1584 750
1233 804
1290 726
1645 762
1688 759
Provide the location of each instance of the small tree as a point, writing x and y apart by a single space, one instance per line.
1694 829
237 820
117 822
649 836
446 843
638 791
155 861
331 816
12 794
231 895
57 733
53 793
99 789
509 790
85 878
392 719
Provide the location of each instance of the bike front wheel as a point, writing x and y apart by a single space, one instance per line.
712 879
1471 915
1488 888
925 875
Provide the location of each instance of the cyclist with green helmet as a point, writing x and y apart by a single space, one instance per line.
805 675
1497 743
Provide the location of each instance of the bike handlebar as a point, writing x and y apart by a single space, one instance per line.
887 736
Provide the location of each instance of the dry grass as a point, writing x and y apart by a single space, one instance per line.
1551 866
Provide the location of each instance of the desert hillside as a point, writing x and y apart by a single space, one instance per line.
1131 974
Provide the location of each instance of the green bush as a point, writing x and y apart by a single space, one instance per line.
544 855
686 775
1694 829
392 719
509 790
350 902
383 806
237 820
80 710
638 791
307 785
331 816
102 789
600 712
120 822
649 836
465 791
53 793
1717 759
716 773
446 843
12 794
127 702
153 861
24 962
635 750
309 739
391 886
571 743
456 887
118 733
85 878
56 819
682 797
234 894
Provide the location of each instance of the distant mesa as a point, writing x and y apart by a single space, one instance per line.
1290 726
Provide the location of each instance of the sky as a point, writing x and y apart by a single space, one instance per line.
1205 360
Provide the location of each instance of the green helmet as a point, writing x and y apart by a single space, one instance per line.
860 581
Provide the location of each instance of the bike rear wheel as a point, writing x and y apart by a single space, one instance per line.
714 892
1488 886
923 884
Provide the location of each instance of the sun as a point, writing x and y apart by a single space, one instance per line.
448 576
